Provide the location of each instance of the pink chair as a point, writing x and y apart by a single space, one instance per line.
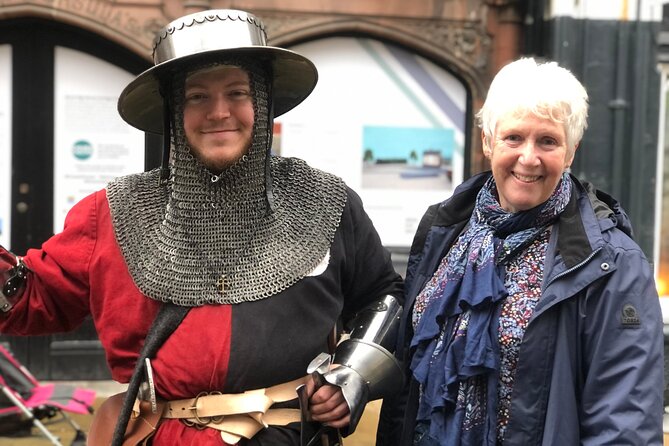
24 402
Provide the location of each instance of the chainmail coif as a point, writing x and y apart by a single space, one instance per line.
195 241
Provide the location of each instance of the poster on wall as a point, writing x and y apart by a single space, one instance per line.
5 144
389 122
92 144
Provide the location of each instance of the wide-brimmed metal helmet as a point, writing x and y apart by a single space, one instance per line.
207 36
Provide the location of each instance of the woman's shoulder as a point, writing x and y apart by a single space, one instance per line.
612 219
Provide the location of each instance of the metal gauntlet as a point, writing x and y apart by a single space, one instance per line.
12 282
363 365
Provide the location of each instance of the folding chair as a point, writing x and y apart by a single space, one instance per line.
25 402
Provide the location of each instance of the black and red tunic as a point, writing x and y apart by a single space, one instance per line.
230 348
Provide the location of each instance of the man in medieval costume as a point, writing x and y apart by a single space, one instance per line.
220 283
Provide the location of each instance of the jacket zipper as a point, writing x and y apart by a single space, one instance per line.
563 273
578 265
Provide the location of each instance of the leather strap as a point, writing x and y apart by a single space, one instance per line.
236 416
216 404
167 320
140 427
207 406
235 427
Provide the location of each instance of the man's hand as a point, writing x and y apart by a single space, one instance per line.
327 405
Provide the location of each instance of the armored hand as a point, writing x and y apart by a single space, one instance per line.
363 365
12 281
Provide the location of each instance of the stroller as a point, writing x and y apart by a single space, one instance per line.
24 402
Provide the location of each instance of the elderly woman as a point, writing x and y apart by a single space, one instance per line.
531 316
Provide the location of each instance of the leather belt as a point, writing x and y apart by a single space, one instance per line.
236 416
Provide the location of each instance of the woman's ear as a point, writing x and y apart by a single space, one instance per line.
486 145
570 157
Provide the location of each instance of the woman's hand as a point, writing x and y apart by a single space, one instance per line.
327 405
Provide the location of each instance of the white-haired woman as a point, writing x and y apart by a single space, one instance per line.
531 315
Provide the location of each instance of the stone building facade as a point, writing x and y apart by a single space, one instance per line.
470 38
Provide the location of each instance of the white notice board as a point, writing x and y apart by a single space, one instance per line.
92 144
391 123
5 143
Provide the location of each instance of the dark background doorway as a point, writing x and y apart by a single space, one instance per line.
75 355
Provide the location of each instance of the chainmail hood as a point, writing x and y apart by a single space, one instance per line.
244 235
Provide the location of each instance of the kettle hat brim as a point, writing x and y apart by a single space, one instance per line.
201 37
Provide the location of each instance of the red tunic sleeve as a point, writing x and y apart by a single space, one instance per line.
81 272
56 295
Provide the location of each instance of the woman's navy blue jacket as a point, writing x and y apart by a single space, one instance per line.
590 370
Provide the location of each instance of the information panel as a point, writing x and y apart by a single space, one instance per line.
389 122
5 144
92 144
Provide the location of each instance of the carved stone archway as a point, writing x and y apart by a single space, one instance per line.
460 47
472 39
129 27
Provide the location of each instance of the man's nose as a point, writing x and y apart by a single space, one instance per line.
219 108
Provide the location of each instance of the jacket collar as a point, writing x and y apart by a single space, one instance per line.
460 205
589 213
573 243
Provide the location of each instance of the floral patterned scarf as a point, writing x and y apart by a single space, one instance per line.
465 292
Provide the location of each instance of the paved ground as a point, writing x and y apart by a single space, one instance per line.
364 436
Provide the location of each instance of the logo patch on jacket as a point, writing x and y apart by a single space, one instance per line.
630 316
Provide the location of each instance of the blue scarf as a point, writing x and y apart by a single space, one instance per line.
455 345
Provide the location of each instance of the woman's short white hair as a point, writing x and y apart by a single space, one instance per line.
545 90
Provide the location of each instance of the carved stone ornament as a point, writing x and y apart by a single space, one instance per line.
500 2
463 42
466 41
276 26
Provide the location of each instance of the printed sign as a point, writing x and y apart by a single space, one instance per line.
389 122
93 145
